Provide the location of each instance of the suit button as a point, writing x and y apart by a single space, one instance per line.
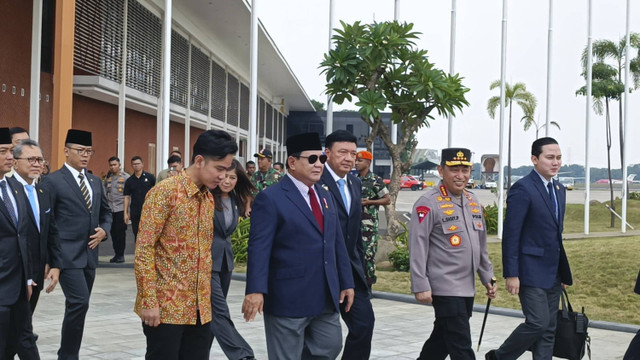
326 262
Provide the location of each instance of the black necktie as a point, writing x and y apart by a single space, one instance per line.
7 202
552 197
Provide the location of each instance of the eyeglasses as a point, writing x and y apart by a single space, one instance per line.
88 152
33 160
313 158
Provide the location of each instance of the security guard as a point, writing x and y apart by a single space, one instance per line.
265 176
114 191
447 246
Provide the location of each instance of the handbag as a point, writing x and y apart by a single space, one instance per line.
572 338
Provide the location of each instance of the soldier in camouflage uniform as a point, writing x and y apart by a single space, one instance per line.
265 176
374 194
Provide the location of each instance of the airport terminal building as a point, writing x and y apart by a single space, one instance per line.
97 65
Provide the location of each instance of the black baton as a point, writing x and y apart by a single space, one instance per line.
486 312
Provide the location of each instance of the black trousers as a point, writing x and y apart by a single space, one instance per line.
135 222
360 321
178 342
118 233
76 285
12 319
633 352
27 349
451 333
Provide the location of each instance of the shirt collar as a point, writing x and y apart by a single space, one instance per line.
544 181
20 179
302 187
334 175
190 186
75 172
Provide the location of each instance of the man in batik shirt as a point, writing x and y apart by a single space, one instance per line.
374 194
173 253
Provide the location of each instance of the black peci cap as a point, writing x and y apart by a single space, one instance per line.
79 137
302 142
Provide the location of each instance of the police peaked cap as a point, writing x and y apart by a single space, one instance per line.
456 156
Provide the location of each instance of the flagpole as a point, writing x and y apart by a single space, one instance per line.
549 53
625 184
503 71
452 61
587 169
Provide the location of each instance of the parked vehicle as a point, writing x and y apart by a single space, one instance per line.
567 182
408 182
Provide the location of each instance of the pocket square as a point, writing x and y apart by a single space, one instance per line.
48 211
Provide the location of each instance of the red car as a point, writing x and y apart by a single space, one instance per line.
408 182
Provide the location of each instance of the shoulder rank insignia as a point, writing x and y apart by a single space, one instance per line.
452 228
446 206
443 191
448 198
475 211
455 240
439 198
448 212
422 212
473 204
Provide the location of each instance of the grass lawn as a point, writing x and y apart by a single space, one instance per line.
604 274
599 217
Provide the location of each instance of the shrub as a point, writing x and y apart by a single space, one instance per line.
400 256
240 240
634 195
491 219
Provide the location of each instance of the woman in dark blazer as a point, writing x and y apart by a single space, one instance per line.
233 199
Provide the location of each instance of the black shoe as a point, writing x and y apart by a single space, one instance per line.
113 259
248 358
119 260
491 355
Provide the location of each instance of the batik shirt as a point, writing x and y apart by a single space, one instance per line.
173 251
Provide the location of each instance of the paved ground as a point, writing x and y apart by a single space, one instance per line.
113 331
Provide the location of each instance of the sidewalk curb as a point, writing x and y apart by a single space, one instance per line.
604 325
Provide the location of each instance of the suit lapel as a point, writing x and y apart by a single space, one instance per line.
545 195
43 201
3 208
292 193
328 181
96 186
73 185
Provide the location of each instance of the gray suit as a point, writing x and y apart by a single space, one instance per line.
75 224
222 328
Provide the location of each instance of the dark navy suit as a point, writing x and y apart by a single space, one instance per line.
15 270
532 250
76 223
45 249
299 269
360 319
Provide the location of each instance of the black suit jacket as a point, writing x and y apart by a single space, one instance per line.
44 242
221 247
15 263
350 223
74 220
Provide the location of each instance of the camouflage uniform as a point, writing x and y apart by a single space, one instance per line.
372 188
262 181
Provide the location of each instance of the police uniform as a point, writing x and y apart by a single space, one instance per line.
262 180
114 191
374 188
447 246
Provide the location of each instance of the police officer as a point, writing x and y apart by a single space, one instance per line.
447 246
266 175
374 194
114 191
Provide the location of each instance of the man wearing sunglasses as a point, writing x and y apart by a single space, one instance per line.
42 234
84 219
298 268
340 147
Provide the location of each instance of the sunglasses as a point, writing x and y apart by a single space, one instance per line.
313 158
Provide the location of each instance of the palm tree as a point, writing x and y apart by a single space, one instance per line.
604 50
605 87
528 119
522 97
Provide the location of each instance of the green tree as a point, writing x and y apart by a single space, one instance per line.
529 120
517 93
605 87
317 105
379 66
614 54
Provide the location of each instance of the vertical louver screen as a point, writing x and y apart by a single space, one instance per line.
218 91
98 38
179 69
244 107
233 93
199 81
144 45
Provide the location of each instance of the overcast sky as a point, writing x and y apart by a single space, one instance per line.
300 30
